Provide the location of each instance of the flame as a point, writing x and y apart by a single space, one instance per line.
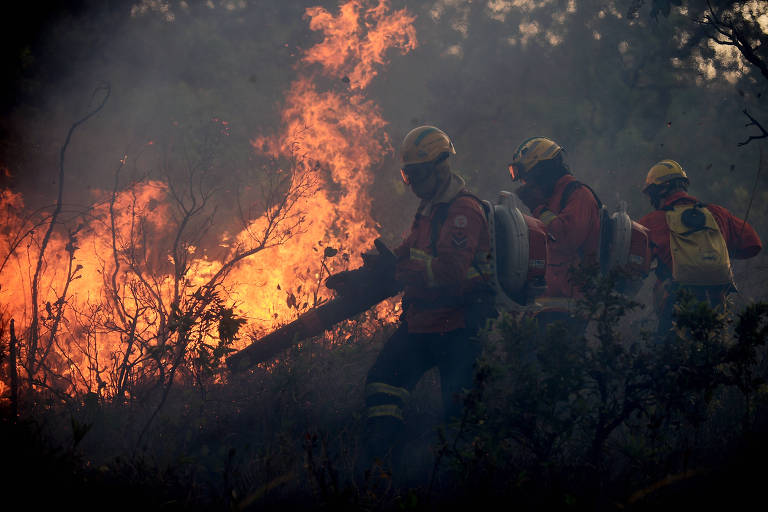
342 133
101 283
357 40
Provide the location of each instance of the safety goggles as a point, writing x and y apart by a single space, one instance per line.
515 171
416 173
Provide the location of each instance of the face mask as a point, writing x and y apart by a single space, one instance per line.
413 174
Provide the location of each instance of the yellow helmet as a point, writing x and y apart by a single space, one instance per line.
664 172
425 144
531 152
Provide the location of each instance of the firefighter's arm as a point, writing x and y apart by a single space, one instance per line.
456 245
658 232
572 225
741 238
407 268
402 250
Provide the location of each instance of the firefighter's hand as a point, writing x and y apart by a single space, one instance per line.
386 254
531 196
341 283
371 259
382 260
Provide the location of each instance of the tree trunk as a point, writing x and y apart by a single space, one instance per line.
13 373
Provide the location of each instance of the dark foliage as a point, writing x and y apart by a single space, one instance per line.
600 421
555 420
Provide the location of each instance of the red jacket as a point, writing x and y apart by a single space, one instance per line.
436 282
574 235
740 237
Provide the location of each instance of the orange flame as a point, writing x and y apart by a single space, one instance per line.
357 40
94 296
343 133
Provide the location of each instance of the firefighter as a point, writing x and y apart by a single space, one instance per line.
692 243
444 266
570 211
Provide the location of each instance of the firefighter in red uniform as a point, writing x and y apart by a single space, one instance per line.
444 266
692 243
569 210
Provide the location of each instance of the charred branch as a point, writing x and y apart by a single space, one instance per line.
753 122
194 314
34 326
282 193
728 33
23 233
61 300
14 377
113 232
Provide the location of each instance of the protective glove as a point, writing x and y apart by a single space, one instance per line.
378 267
342 283
381 261
545 216
371 259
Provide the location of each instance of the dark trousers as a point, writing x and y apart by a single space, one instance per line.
401 363
715 296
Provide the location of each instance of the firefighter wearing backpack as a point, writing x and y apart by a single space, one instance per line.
692 242
444 266
571 212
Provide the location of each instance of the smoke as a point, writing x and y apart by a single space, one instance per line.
614 90
295 184
171 71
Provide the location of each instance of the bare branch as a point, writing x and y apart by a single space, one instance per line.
113 232
735 37
724 43
753 122
13 348
34 329
22 234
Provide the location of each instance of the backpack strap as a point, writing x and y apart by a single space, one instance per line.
570 188
670 207
438 219
604 237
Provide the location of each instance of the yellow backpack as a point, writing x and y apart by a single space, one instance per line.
699 251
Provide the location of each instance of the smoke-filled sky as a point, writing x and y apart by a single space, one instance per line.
618 87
